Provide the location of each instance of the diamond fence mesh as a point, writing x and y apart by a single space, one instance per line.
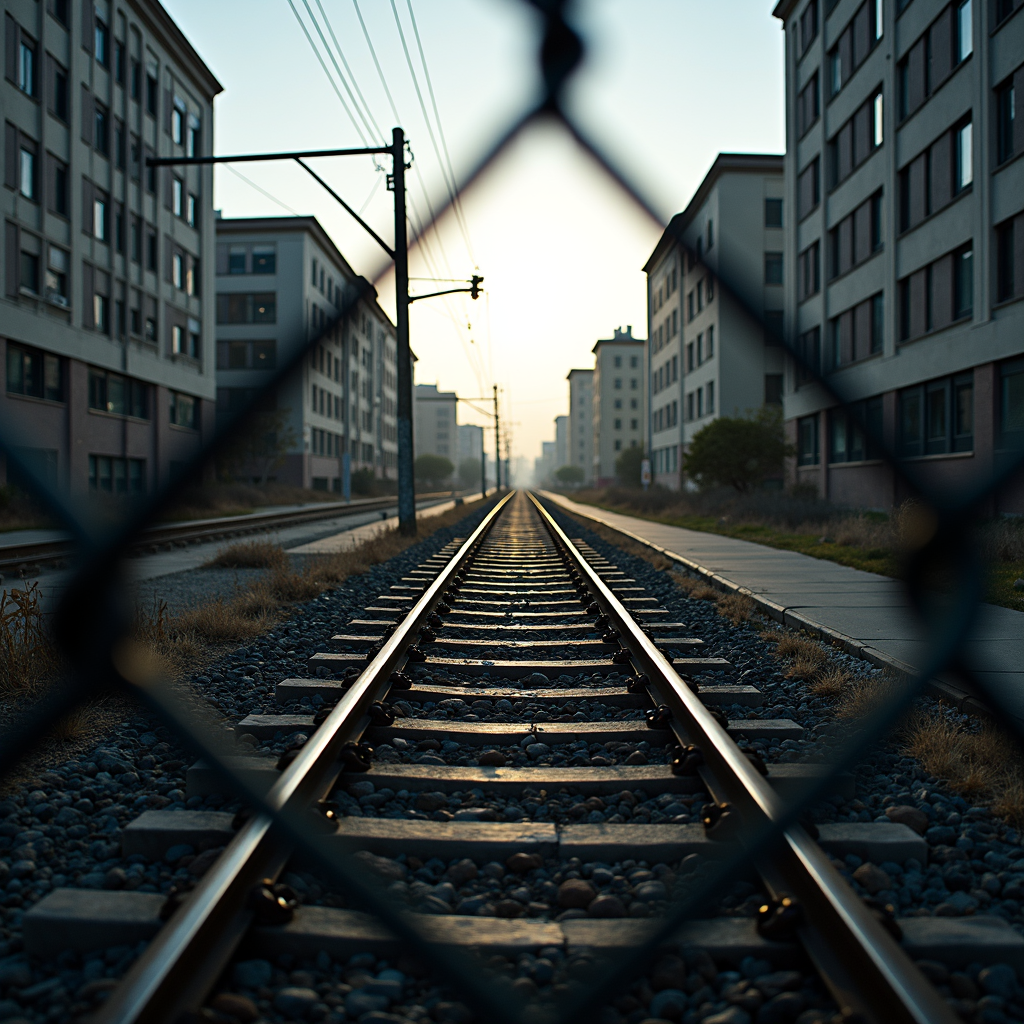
93 622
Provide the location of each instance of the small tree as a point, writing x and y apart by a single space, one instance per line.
627 466
469 472
433 469
738 451
570 475
260 446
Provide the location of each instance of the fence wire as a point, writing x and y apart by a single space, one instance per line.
93 621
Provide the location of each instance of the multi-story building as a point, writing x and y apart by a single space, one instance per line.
561 442
106 321
708 355
581 422
280 282
471 442
904 235
435 431
619 416
544 466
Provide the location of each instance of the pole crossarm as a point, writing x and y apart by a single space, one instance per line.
447 291
244 158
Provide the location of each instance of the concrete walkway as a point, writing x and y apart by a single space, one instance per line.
864 613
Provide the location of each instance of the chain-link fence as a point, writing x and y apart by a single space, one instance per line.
93 623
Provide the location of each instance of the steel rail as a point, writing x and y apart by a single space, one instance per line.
186 957
864 966
13 555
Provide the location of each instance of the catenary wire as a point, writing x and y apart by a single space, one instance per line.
334 86
272 198
454 190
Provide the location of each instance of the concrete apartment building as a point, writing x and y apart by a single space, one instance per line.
471 442
905 240
561 441
580 439
707 355
280 281
619 407
435 429
107 323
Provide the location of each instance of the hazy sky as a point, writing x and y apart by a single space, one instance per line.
667 84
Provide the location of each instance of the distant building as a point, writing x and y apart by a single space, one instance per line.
471 442
707 356
280 281
905 242
618 403
106 320
580 439
561 442
434 423
544 467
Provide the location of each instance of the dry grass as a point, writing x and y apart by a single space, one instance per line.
807 659
252 554
981 763
28 656
831 683
736 608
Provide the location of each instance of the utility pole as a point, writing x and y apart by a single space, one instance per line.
406 482
497 443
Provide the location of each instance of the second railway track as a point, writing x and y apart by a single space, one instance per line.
516 670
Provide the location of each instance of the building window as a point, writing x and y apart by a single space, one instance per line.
99 219
59 99
808 351
711 396
773 213
773 389
807 441
34 373
152 90
184 410
101 312
879 19
264 259
177 197
151 250
247 355
178 270
190 210
1011 404
878 127
27 173
236 259
964 157
57 276
101 129
964 31
178 339
26 67
1006 114
938 417
250 308
101 41
194 140
117 476
773 268
28 272
121 396
963 283
178 122
835 72
119 62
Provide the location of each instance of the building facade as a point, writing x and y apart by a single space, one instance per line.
280 282
435 429
471 442
708 355
619 407
107 323
581 422
905 241
561 442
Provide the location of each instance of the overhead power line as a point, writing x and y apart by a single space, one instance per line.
456 197
272 198
330 77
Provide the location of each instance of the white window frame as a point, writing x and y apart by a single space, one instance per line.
99 219
879 125
27 173
964 156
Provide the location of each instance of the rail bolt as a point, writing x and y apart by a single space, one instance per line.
659 717
273 902
778 920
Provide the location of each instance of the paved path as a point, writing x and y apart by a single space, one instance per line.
866 613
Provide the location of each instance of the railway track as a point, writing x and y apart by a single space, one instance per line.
165 536
514 670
